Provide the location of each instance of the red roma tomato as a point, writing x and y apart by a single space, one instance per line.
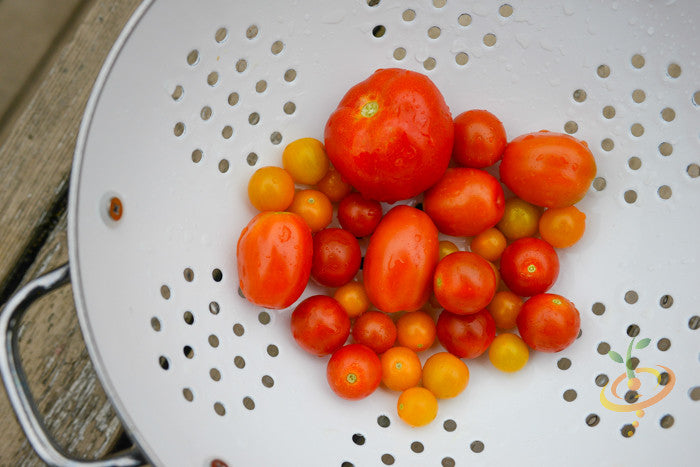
274 255
548 169
400 260
336 257
354 371
359 215
391 135
548 322
320 325
479 139
464 283
375 330
529 266
466 336
465 202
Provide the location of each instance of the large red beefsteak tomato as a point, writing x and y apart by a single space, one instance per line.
391 135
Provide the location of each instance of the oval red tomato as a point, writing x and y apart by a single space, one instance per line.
359 215
464 282
336 257
529 266
480 139
400 260
465 202
548 322
466 336
273 255
320 325
354 371
375 330
548 169
391 135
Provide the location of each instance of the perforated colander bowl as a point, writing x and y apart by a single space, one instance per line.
196 96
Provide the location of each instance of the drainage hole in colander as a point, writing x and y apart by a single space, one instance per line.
592 419
155 324
177 93
663 378
165 292
251 159
631 296
477 446
187 394
609 111
179 129
694 322
233 99
213 341
664 344
205 113
461 58
603 71
569 395
693 170
599 184
214 308
260 86
603 348
630 196
188 351
241 65
213 78
637 61
373 2
429 63
217 275
489 39
607 144
267 381
564 363
238 329
289 107
601 380
417 447
408 15
193 57
383 421
580 333
239 362
387 459
632 363
696 98
505 10
273 350
598 308
379 30
694 393
275 137
197 155
188 274
290 75
254 118
221 35
346 463
666 421
465 19
571 127
358 439
434 32
215 374
399 53
637 130
252 31
447 462
188 317
264 317
664 192
579 95
449 425
163 362
668 114
248 403
627 430
227 132
634 163
439 3
633 330
631 396
219 409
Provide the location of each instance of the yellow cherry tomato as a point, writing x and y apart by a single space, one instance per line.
489 244
353 298
562 227
445 247
417 406
271 189
445 375
508 352
520 219
306 161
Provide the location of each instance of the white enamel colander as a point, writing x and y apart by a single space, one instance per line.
196 95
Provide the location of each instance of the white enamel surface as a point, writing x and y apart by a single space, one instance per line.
179 214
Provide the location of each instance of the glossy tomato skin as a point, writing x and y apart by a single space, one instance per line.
359 215
391 135
354 371
465 202
320 325
548 322
400 260
529 266
466 336
480 139
375 330
336 257
464 283
274 254
548 169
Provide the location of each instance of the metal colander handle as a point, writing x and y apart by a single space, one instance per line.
16 382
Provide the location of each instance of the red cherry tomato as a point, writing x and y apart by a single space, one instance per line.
354 371
465 202
464 283
391 135
548 322
548 169
359 215
400 260
480 139
320 325
529 266
375 330
466 336
273 256
336 257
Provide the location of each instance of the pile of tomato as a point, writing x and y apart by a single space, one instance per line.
398 179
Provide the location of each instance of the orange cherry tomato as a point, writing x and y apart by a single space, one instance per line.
504 308
445 375
417 406
401 368
416 330
562 227
489 244
445 247
353 298
314 207
520 219
306 161
333 185
271 189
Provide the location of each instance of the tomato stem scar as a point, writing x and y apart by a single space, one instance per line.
351 378
369 109
398 365
556 301
531 268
